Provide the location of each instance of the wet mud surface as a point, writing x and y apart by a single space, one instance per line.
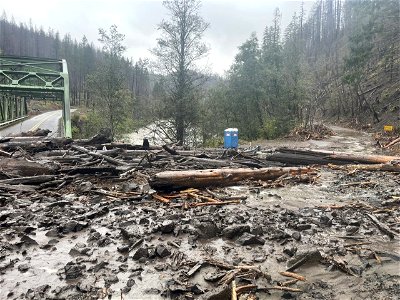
78 244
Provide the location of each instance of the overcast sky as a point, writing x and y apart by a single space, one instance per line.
231 21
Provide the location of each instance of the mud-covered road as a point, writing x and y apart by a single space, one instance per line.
75 243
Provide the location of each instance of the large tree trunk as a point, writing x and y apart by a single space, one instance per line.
219 177
307 157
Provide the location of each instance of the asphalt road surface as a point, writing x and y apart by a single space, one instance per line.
48 120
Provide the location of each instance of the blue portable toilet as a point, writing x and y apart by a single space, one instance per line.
231 138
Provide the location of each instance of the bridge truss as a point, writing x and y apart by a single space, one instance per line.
23 78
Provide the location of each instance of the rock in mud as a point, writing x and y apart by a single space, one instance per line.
73 271
290 251
160 267
196 289
325 220
130 282
152 291
5 214
141 253
250 239
234 231
219 293
83 287
99 266
52 233
123 248
152 252
303 257
94 236
257 230
111 280
130 232
296 235
206 229
302 227
81 249
73 226
351 230
84 187
162 251
23 268
28 241
38 293
167 226
214 276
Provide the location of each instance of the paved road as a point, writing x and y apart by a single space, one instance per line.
48 120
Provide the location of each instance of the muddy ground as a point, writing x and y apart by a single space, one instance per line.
77 244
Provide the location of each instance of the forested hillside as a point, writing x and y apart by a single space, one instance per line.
339 63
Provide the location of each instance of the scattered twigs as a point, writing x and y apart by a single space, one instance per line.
362 183
169 150
293 275
161 199
285 288
215 203
191 193
234 293
30 180
392 143
114 194
340 264
395 168
289 282
109 159
382 227
357 244
245 288
378 259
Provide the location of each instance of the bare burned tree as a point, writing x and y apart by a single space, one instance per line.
179 49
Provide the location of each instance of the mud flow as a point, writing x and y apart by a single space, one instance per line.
105 233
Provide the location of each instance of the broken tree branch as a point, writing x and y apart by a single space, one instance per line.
111 160
293 275
382 227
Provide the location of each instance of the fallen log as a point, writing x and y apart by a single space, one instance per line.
17 188
91 170
23 167
170 180
30 180
4 153
364 159
34 144
306 157
395 168
37 132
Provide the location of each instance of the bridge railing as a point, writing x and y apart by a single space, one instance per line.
33 78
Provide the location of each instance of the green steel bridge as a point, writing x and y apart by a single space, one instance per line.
23 78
